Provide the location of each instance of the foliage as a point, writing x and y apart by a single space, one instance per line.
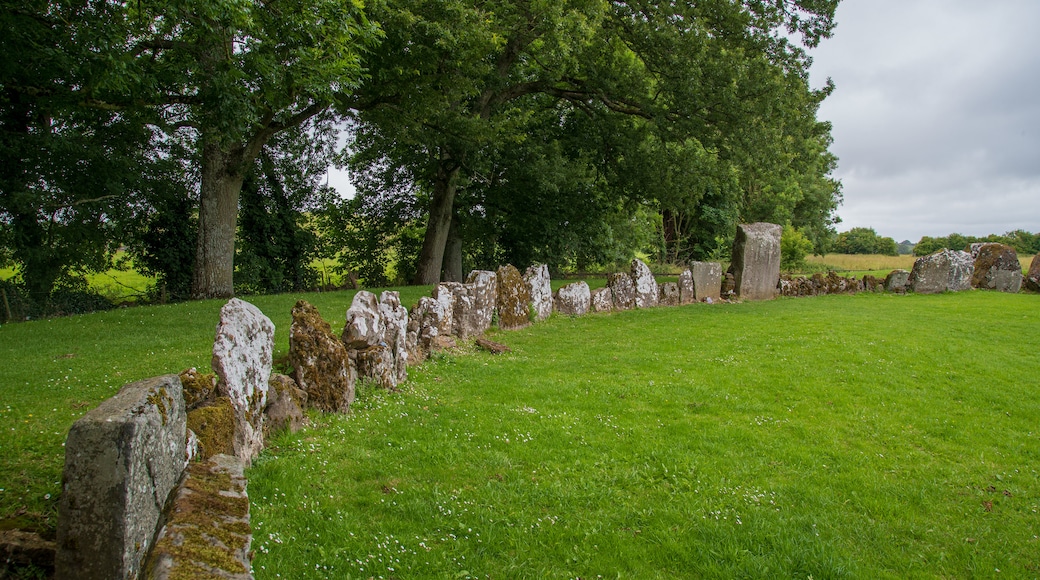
794 247
1023 242
864 241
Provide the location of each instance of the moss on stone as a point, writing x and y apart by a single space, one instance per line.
158 399
198 389
214 425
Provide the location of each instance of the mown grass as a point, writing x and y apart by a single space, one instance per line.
55 370
864 436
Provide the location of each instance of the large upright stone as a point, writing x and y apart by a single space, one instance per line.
897 281
707 281
514 299
1032 280
686 288
285 405
647 291
943 271
482 285
122 460
320 362
602 300
538 285
756 261
573 299
395 327
428 322
242 358
364 327
623 289
996 268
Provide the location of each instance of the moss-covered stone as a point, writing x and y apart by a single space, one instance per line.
199 389
214 425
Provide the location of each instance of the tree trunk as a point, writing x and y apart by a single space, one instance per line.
218 213
452 271
431 258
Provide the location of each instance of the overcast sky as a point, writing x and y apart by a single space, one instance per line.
936 115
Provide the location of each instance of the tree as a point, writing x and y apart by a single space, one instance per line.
865 241
451 81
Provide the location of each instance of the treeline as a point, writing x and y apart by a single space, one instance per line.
867 241
193 136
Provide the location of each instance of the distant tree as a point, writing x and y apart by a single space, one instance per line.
794 247
906 247
865 241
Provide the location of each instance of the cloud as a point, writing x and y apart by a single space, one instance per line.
936 120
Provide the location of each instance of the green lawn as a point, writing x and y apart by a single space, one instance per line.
846 436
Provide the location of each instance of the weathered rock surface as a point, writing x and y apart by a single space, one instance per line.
514 299
1032 280
538 286
377 363
873 283
818 285
623 290
483 294
573 299
321 365
492 346
647 291
687 292
122 460
213 428
756 261
242 358
602 300
942 271
669 294
996 268
897 281
395 325
199 389
427 321
364 327
207 532
23 551
707 281
285 405
729 285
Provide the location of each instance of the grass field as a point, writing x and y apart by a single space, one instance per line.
875 264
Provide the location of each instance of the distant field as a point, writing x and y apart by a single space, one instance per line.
859 264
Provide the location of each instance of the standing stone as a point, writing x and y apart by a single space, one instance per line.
122 460
426 323
996 268
647 292
321 365
897 281
482 288
669 294
377 363
538 285
873 283
756 261
687 291
395 324
1032 280
285 405
623 290
942 271
514 299
364 327
242 358
707 281
602 300
573 299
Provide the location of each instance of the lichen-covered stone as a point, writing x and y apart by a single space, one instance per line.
199 389
214 428
320 362
669 294
285 405
538 286
514 298
426 322
377 363
395 328
601 300
1032 281
242 358
364 327
756 261
873 283
573 299
996 267
896 281
707 281
686 288
207 533
474 314
942 271
647 291
122 460
623 289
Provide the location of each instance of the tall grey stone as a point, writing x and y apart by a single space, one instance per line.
756 261
623 289
573 299
687 292
538 286
647 291
897 281
996 267
483 288
1032 280
602 300
514 299
122 460
395 327
427 321
242 358
707 281
943 271
364 326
